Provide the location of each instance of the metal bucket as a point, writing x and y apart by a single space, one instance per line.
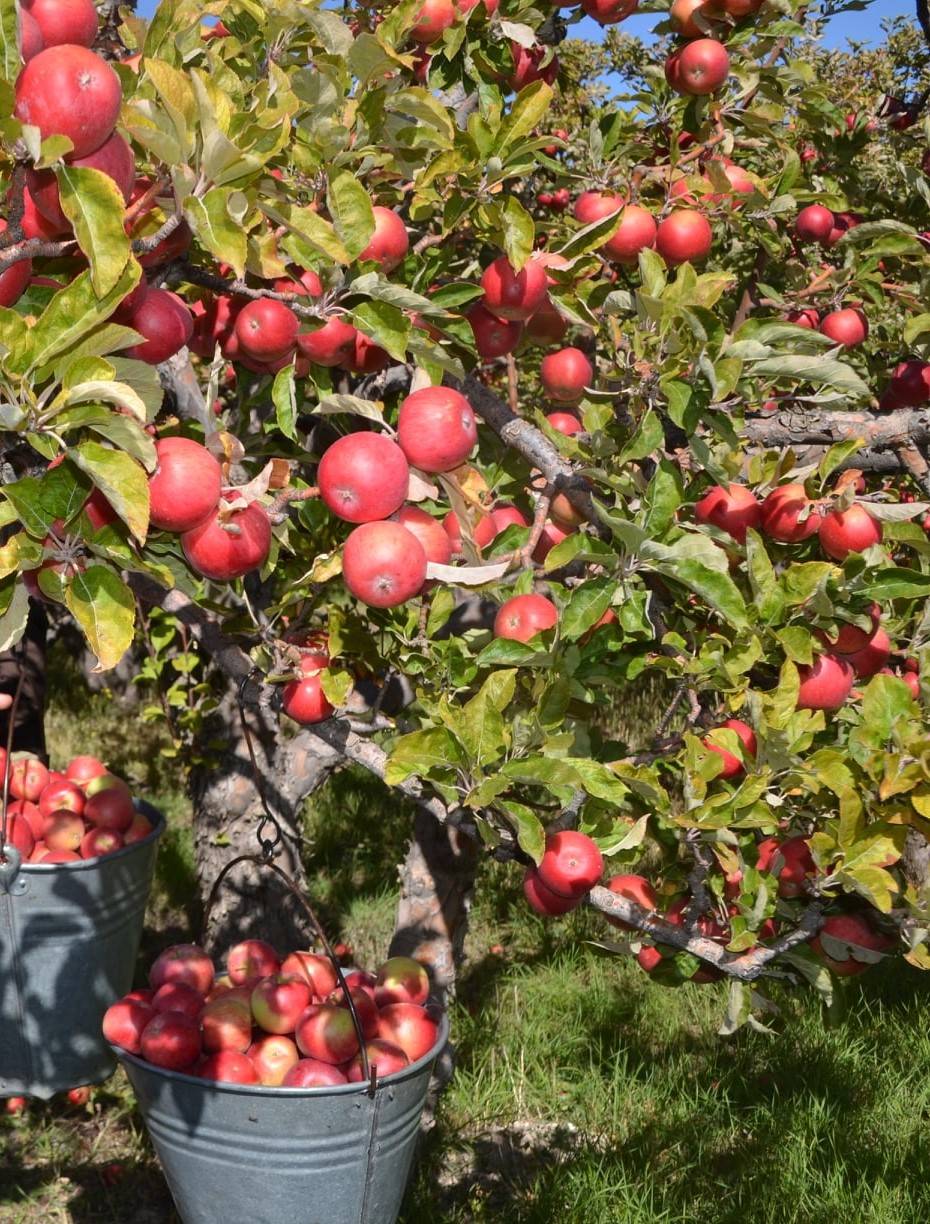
69 935
236 1152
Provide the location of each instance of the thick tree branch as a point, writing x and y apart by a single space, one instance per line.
878 431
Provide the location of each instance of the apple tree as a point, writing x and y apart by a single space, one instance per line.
376 370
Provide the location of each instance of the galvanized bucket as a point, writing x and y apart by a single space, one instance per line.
69 935
236 1152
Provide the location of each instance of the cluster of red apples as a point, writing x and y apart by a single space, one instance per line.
789 515
572 865
272 1021
83 813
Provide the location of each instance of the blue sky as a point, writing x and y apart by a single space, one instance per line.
866 25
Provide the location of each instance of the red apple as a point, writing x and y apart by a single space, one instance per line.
814 223
216 553
684 236
272 1057
870 660
635 888
171 1040
178 997
279 1001
733 767
185 963
401 980
514 295
326 1032
228 1067
125 1021
733 509
847 327
60 796
363 477
429 531
63 22
83 768
304 699
63 830
856 933
436 429
226 1022
69 91
266 329
185 486
782 513
543 900
384 1058
524 616
383 564
109 807
493 337
826 684
844 531
409 1027
165 322
791 861
571 864
28 778
251 960
636 232
699 68
333 344
565 374
365 1008
311 1073
389 243
315 969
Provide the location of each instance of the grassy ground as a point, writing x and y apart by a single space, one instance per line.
583 1093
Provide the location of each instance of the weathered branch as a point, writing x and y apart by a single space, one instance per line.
745 966
182 270
877 431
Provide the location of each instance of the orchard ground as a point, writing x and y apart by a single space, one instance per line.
583 1092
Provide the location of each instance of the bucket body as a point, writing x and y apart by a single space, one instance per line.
234 1152
69 936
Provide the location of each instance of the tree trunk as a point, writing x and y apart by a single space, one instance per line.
437 878
227 813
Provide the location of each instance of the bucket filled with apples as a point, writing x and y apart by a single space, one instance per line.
254 1089
75 874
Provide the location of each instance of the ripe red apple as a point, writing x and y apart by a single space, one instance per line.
528 66
14 279
25 811
636 232
401 980
782 511
806 317
565 375
228 1067
591 206
543 900
83 768
171 1040
826 684
315 969
699 68
910 383
109 806
63 21
551 535
494 337
19 833
326 1032
69 91
165 322
814 223
311 1073
266 329
848 327
732 766
114 158
434 17
436 429
429 531
609 12
547 326
514 295
124 1023
28 778
367 357
409 1027
15 1105
844 531
279 1001
790 860
635 888
272 1057
63 830
178 997
524 616
684 236
383 564
383 1056
733 509
226 1022
365 1008
304 699
251 960
565 423
870 660
61 856
185 486
185 963
488 527
389 243
683 13
571 864
30 39
363 477
855 931
216 553
333 344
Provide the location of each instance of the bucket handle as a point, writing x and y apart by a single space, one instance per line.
264 862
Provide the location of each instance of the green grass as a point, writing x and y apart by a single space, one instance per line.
583 1093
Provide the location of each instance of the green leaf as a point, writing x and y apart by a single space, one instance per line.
120 395
421 752
331 405
837 455
698 564
10 60
217 222
121 480
767 596
94 205
531 836
896 583
421 106
104 607
817 370
349 205
586 607
517 232
312 228
14 618
386 325
480 728
75 312
531 106
39 501
284 398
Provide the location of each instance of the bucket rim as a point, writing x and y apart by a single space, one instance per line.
159 824
263 1091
